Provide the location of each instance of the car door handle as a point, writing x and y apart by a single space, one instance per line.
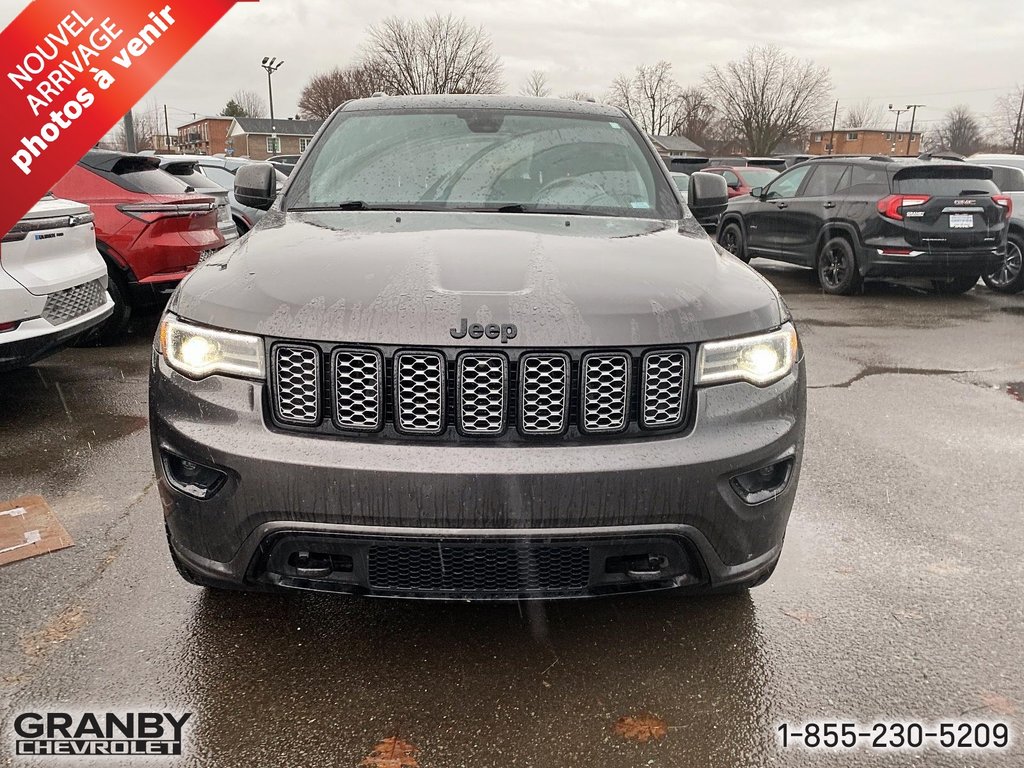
830 205
780 206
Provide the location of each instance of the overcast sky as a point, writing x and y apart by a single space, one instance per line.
936 52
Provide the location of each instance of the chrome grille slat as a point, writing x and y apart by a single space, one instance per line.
604 400
419 392
544 393
358 388
296 371
663 390
71 303
482 393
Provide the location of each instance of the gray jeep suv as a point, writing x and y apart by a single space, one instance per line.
476 349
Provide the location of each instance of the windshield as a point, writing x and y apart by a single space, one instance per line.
482 159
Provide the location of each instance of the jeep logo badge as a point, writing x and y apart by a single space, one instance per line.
505 331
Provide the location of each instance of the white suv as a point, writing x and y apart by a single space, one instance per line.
53 282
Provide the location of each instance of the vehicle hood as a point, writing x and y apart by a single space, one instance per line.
410 277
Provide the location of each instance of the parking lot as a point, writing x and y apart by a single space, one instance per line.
897 597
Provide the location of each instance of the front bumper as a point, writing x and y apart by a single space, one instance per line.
35 339
287 494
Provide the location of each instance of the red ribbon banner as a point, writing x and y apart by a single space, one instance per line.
70 69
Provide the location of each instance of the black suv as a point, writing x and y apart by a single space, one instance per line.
855 217
478 349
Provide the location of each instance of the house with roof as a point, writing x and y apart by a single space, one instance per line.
676 146
203 136
260 137
864 141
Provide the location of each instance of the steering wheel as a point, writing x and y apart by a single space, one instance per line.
597 190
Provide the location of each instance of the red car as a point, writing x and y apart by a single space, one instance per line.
743 179
151 228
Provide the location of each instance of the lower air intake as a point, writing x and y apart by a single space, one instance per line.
468 569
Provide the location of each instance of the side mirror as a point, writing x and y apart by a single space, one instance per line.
734 185
256 185
757 191
708 198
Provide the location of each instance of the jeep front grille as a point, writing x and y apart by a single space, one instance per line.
296 372
358 388
605 395
419 392
544 399
71 303
573 394
482 393
663 389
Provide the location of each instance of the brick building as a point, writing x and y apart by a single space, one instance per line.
259 138
205 136
865 141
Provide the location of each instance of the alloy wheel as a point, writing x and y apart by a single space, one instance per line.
1010 269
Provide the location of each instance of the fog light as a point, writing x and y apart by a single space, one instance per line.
762 484
191 478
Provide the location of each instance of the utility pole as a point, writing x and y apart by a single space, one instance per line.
1017 144
913 119
167 131
832 137
129 132
897 128
271 64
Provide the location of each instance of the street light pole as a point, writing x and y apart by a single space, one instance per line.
913 119
897 128
1016 131
271 64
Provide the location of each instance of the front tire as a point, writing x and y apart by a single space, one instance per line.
954 286
1009 278
837 268
731 238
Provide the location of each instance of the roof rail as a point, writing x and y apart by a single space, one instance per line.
879 158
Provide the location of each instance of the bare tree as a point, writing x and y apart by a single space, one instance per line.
863 114
326 91
536 85
959 131
769 96
578 96
1006 126
440 54
251 103
698 117
651 96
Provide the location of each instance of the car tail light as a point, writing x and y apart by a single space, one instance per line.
891 206
895 251
4 327
1005 203
150 212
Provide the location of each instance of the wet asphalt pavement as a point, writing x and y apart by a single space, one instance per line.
898 595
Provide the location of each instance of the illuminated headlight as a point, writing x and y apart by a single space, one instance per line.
199 352
760 360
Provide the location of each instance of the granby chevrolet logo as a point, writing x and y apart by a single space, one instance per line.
99 733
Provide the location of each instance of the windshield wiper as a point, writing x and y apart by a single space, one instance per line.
521 208
349 205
